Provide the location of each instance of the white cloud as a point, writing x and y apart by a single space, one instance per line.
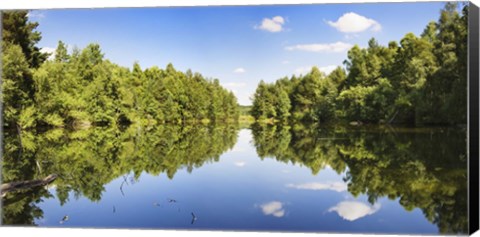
351 36
239 70
274 208
303 70
354 23
352 210
36 14
49 50
336 47
240 163
285 62
327 69
279 19
335 186
272 25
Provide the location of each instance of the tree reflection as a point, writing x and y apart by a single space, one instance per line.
423 168
87 160
313 147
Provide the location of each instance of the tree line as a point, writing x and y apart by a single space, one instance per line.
421 80
83 87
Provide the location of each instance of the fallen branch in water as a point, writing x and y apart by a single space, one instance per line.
13 186
194 218
121 188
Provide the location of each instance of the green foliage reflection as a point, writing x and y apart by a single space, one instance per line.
422 168
87 160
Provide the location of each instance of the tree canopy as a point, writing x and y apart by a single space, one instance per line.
422 80
82 87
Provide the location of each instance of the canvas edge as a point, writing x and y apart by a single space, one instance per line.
473 118
472 123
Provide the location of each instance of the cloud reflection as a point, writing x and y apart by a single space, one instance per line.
352 210
238 149
335 186
240 163
274 208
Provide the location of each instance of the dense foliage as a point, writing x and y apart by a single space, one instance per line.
422 80
19 57
84 88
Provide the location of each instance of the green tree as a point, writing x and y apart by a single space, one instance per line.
16 87
20 54
260 104
445 94
61 54
305 96
18 30
282 103
414 64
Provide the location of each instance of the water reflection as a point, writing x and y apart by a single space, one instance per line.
335 186
274 208
416 169
423 168
353 210
240 163
87 160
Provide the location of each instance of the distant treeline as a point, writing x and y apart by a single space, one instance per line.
422 80
84 88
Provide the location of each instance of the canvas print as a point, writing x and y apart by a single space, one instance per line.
331 118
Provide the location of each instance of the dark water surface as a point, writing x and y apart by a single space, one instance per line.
301 178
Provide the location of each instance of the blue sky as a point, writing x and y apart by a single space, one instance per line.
239 45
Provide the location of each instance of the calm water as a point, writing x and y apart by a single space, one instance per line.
301 178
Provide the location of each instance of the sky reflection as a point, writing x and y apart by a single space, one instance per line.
273 208
353 210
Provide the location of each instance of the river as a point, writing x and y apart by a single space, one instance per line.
301 178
